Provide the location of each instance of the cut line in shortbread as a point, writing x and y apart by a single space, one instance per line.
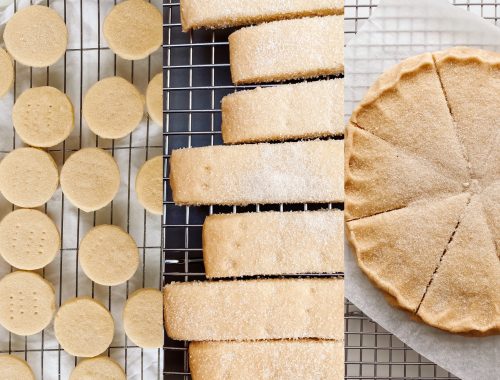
7 70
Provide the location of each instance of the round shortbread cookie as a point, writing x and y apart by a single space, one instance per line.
100 368
113 108
154 99
7 70
29 239
43 116
90 179
134 29
149 185
28 177
108 255
143 318
36 36
12 367
83 327
27 303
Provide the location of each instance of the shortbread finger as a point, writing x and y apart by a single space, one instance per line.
287 243
197 14
280 359
290 49
294 111
297 172
256 309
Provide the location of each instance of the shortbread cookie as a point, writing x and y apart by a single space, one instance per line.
29 239
83 327
134 29
99 368
288 243
27 303
290 49
36 36
143 318
154 99
294 111
90 179
108 255
279 359
12 367
149 185
255 309
113 107
43 116
297 172
197 14
28 177
7 70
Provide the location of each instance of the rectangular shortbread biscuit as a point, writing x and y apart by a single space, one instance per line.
296 172
290 49
293 111
255 309
280 359
224 13
273 243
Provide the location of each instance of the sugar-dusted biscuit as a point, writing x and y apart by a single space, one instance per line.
7 70
149 185
12 367
154 99
100 367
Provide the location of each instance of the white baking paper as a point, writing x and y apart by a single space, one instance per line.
399 29
84 64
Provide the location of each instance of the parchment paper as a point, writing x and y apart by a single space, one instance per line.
82 71
399 29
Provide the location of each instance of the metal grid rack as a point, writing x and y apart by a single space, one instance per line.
197 76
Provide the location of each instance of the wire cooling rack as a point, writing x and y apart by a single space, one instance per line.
197 76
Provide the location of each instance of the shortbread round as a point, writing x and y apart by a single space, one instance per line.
154 99
43 116
108 255
28 177
7 70
29 239
143 318
36 36
113 108
90 179
83 327
100 368
149 185
27 303
134 29
12 367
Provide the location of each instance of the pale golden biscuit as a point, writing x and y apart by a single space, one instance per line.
149 185
36 36
28 177
298 172
43 116
154 99
12 367
294 111
7 70
134 29
108 255
279 359
29 239
290 49
288 243
90 179
83 327
113 108
197 14
99 368
143 318
27 303
255 309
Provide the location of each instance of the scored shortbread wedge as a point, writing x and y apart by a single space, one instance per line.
288 243
225 13
290 49
256 309
294 111
298 172
280 359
